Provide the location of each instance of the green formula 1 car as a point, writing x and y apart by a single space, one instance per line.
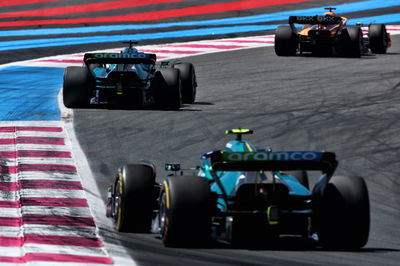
243 195
130 79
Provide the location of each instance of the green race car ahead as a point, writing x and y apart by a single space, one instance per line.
130 79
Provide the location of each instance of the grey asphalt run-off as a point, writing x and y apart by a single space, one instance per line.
349 106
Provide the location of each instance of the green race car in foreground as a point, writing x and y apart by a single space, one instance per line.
245 196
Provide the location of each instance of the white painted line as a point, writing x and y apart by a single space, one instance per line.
58 249
61 211
10 252
49 193
47 160
59 230
9 212
49 176
11 231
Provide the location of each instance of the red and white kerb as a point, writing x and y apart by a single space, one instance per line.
44 214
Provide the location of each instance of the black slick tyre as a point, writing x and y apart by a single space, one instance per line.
285 41
76 87
377 38
135 200
353 42
188 81
185 211
342 213
167 87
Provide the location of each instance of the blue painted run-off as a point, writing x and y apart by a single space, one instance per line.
30 93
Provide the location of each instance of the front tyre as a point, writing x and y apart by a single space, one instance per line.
134 198
342 213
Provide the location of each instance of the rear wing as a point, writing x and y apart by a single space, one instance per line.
119 58
274 161
321 20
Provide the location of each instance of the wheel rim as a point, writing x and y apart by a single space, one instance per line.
118 208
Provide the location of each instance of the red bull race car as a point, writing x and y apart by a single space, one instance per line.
329 35
130 79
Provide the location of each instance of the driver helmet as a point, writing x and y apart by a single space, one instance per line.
129 51
330 14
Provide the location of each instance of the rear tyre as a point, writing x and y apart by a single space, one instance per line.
341 213
285 41
377 38
353 42
185 211
167 87
188 81
135 199
76 87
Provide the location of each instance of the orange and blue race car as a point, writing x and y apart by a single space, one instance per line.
329 35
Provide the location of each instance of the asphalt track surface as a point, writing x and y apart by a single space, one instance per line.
349 106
